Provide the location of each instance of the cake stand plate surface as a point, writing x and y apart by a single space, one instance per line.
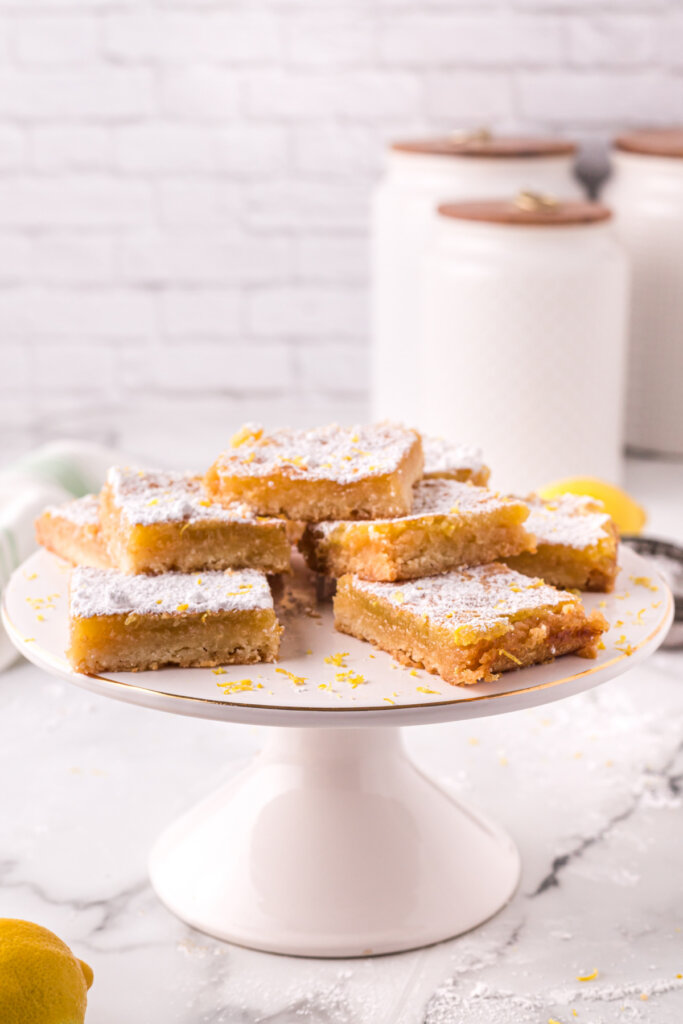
332 843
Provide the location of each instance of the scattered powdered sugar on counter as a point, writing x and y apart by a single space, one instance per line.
451 1004
148 496
342 454
442 456
83 511
108 592
479 596
569 519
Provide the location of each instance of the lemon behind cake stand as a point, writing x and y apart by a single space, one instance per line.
332 842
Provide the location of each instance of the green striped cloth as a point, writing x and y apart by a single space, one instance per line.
48 475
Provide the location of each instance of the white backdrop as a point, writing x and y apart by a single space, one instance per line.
184 187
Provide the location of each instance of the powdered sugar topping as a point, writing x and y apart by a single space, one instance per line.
436 497
108 592
342 454
83 511
442 456
147 496
480 596
569 519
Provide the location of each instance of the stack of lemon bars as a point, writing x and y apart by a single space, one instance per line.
430 564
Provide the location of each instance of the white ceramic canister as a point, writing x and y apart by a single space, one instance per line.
523 337
420 175
646 193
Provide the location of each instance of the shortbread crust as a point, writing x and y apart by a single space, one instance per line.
328 472
162 521
468 625
73 532
121 622
577 543
448 460
450 524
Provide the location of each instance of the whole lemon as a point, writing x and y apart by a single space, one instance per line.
628 515
41 981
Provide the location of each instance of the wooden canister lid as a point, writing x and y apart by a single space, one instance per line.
665 142
483 143
529 208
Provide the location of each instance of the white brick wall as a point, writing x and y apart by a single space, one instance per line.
184 186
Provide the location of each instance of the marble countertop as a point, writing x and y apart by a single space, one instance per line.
589 788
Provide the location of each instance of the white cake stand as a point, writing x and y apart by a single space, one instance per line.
332 843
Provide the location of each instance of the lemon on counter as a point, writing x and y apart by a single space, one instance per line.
41 981
628 515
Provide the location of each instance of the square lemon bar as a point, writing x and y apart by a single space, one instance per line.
576 544
452 461
73 532
450 524
468 625
123 623
157 521
329 472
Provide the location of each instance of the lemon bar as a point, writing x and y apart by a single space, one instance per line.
450 524
468 625
576 542
73 532
445 459
124 623
157 521
329 472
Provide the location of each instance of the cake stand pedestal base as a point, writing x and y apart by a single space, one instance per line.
333 844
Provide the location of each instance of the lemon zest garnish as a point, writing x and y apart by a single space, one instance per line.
588 977
131 617
297 680
218 671
398 597
354 679
389 700
510 656
627 649
41 618
236 686
644 581
337 659
425 689
182 607
153 501
205 503
32 576
245 434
